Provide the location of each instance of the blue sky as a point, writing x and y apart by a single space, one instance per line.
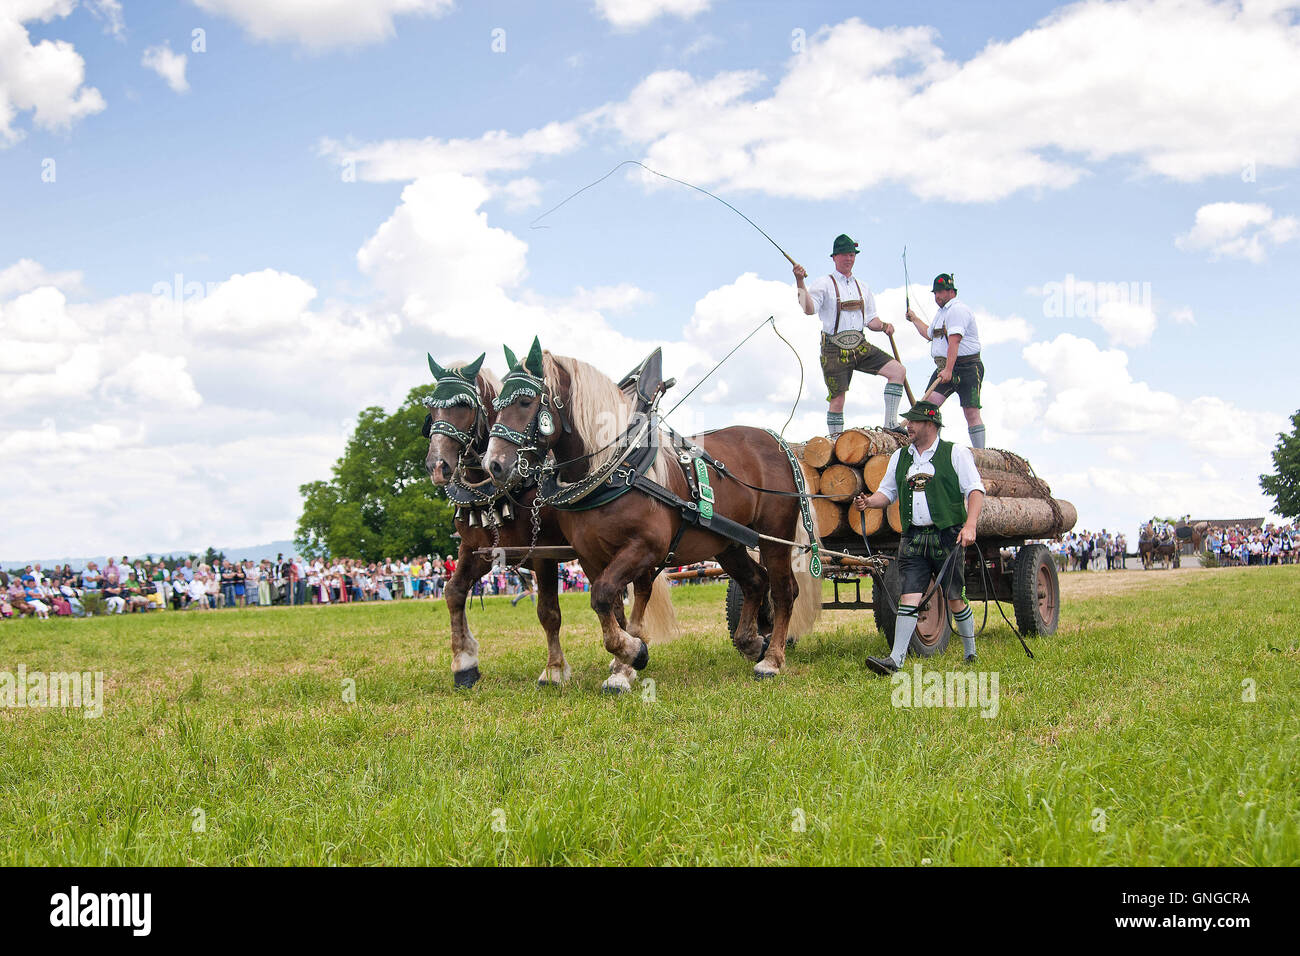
355 184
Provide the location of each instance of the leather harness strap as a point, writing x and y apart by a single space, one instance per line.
853 305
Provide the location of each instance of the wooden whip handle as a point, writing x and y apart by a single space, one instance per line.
911 399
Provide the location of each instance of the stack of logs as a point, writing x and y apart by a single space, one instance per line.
1017 504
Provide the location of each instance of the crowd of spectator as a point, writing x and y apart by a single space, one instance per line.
1091 551
145 585
1242 546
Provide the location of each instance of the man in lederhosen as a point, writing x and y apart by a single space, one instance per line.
846 309
955 348
939 508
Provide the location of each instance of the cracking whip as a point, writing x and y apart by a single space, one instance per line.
681 182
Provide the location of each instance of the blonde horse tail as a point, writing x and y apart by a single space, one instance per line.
659 621
808 605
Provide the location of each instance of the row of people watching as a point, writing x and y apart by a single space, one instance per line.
143 585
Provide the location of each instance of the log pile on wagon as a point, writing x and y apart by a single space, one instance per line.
1018 504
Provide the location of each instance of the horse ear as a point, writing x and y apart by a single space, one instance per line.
511 362
470 371
534 361
437 370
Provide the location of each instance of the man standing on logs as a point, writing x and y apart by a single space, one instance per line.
939 513
845 309
955 348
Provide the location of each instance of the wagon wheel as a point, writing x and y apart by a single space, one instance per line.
932 630
1036 591
735 598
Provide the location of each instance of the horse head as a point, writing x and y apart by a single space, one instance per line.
528 423
459 418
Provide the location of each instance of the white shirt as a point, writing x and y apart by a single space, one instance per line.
953 319
822 292
963 462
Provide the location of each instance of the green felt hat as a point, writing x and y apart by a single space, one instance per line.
924 412
844 244
943 281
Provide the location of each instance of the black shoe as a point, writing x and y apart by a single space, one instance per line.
884 666
970 658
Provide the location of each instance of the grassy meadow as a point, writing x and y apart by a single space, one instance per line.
226 738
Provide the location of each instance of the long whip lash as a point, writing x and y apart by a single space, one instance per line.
698 189
681 182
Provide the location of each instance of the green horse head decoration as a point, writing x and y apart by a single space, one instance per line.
455 386
522 378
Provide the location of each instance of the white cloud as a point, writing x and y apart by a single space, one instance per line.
632 14
268 303
404 160
522 193
109 11
27 274
1238 230
321 24
46 78
999 330
1159 83
155 379
1125 310
1127 323
170 66
612 298
1091 392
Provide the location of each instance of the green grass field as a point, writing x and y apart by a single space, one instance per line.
1126 742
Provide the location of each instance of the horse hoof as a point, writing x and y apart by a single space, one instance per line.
614 690
642 658
467 678
763 675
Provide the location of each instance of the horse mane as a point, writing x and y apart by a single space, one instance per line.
597 409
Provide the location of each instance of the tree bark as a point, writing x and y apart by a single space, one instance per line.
1024 518
1007 484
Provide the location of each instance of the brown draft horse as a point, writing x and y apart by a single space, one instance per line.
460 417
1152 549
568 408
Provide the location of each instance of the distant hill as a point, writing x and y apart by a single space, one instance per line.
255 552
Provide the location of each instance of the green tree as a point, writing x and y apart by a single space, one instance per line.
1285 485
380 502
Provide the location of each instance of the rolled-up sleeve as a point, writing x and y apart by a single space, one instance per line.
868 307
888 486
968 476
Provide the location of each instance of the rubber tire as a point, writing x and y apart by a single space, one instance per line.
1032 560
736 598
885 610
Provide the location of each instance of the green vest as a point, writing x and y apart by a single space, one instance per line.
942 492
